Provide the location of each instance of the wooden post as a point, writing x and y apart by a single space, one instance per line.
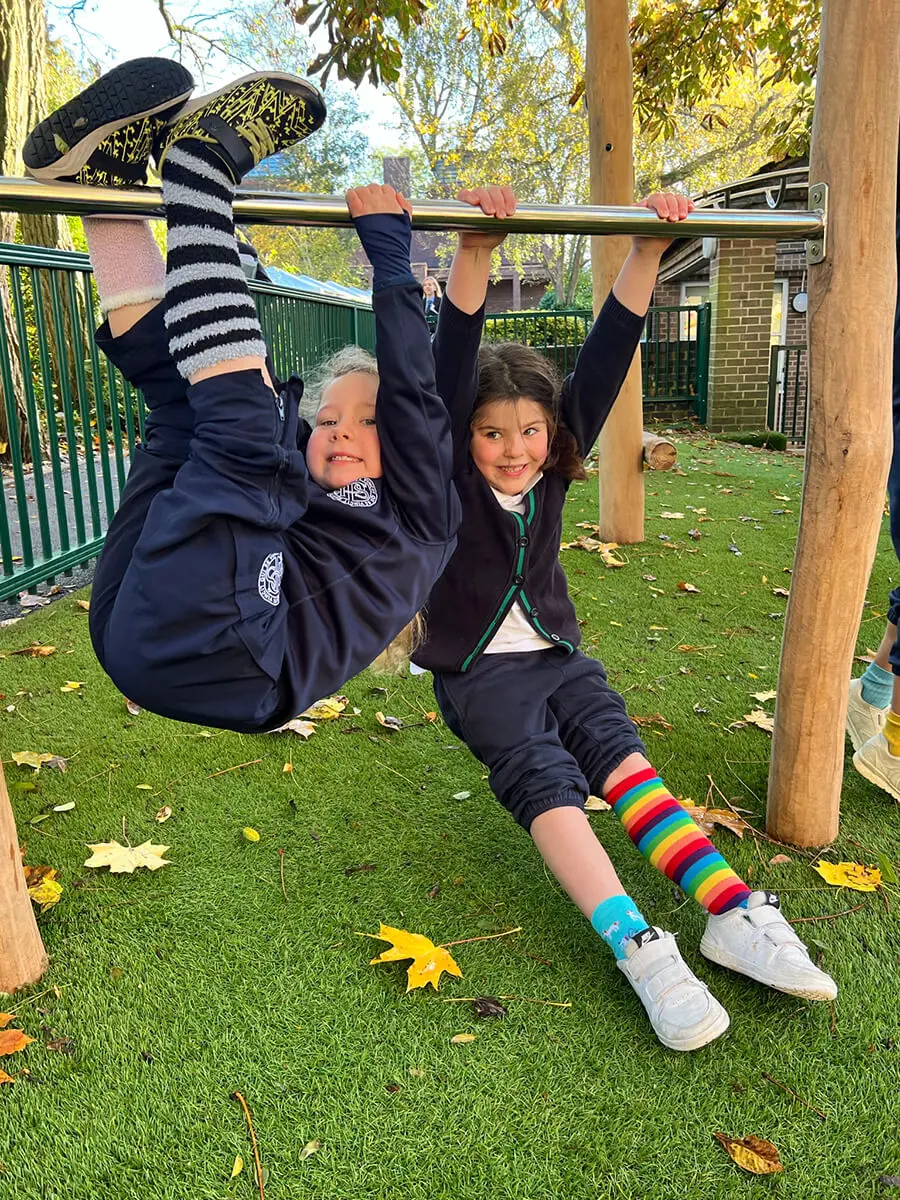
848 449
22 956
608 90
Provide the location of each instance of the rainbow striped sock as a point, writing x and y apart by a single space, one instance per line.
665 834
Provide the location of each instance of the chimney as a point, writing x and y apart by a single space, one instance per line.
397 173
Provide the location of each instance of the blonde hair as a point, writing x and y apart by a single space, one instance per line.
394 658
437 286
351 360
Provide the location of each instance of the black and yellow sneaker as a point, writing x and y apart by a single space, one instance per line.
248 120
105 135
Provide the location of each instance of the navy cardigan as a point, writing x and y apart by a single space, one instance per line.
502 557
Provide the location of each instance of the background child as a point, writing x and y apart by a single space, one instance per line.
255 563
502 640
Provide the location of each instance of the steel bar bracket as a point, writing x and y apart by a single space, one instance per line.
817 247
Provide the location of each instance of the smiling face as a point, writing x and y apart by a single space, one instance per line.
343 445
510 443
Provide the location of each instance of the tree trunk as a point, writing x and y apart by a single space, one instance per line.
608 76
23 62
848 448
22 956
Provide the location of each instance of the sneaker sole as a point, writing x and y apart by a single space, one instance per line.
701 1039
140 88
316 95
722 958
874 776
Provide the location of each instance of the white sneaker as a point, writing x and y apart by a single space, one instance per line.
683 1012
864 720
757 941
875 762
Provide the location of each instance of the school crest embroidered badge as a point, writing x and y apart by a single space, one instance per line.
270 574
361 493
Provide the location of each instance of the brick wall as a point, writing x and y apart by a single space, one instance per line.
741 279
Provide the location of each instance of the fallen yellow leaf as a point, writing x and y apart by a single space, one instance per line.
326 710
72 685
84 604
47 892
754 1154
164 813
126 859
761 720
310 1149
305 729
250 834
462 1039
238 1167
287 768
595 804
4 1078
763 697
850 875
429 961
34 651
30 758
13 1040
5 1019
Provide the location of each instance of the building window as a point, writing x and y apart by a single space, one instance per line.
779 312
695 294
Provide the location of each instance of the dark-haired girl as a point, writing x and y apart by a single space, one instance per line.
502 640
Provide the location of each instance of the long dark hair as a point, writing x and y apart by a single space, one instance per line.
511 371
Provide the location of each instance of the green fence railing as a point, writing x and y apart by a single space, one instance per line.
788 391
674 349
69 421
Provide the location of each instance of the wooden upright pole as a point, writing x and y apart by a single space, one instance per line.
608 90
22 957
851 313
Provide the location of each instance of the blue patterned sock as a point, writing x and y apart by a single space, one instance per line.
617 920
877 686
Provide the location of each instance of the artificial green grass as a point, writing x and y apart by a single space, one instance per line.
180 986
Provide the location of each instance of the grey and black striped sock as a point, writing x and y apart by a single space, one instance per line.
209 314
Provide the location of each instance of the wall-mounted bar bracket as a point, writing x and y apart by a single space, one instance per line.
817 247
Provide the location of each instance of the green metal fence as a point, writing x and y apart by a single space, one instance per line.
674 349
788 392
71 420
74 420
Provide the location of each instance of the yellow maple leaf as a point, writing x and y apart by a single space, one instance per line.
326 710
126 859
850 875
754 1154
46 891
30 758
429 961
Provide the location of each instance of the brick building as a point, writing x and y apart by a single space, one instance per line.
757 292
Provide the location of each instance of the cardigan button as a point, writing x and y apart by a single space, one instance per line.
554 637
519 579
523 541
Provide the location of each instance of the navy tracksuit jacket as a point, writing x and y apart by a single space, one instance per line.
232 589
546 723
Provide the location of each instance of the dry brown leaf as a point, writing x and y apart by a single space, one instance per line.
304 729
754 1154
4 1078
777 859
34 651
13 1040
164 813
708 818
687 648
688 587
5 1019
84 605
780 591
392 723
655 719
672 516
761 720
132 708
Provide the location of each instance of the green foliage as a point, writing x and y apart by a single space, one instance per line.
769 439
583 297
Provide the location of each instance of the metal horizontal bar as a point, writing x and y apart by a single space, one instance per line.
296 208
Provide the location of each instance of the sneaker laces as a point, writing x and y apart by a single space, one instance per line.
259 138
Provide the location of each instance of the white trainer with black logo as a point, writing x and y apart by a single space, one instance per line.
758 942
682 1010
864 720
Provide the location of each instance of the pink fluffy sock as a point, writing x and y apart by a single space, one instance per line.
128 265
